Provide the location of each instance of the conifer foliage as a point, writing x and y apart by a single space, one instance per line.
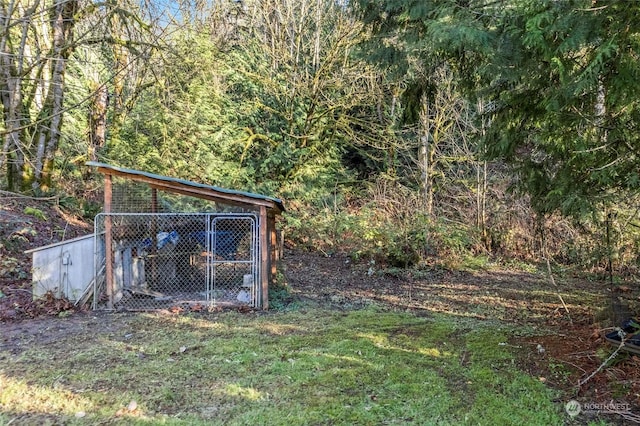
559 79
564 86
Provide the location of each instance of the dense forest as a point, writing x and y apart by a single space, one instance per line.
400 131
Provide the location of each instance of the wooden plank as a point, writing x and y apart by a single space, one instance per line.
92 288
273 253
211 195
154 200
108 242
264 258
207 195
154 232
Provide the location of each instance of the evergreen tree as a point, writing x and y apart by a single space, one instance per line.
558 78
564 90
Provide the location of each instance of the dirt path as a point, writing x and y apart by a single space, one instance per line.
500 295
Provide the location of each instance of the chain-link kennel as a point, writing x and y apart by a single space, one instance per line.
162 260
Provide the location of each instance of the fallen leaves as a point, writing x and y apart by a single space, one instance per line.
19 302
26 224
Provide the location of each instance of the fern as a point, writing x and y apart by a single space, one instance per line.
37 213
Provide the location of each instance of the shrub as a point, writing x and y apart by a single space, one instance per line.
367 233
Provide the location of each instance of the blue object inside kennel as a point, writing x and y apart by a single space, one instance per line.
223 243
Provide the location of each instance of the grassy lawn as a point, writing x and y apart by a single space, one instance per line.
308 366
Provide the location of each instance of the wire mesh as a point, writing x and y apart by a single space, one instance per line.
160 260
138 197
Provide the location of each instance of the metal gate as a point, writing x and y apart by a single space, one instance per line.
182 260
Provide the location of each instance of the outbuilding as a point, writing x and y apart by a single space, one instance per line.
167 243
163 242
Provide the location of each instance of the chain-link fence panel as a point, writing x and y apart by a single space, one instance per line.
160 261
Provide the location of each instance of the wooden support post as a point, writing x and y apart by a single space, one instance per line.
280 240
153 255
273 250
264 258
154 200
108 241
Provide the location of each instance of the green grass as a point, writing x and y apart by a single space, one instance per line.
310 366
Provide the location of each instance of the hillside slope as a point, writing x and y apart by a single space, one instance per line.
27 223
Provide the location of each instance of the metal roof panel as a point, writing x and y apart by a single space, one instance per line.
276 201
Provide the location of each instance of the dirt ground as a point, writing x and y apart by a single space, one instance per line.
558 329
558 325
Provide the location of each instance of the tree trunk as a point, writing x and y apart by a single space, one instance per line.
426 156
48 132
11 74
98 121
481 184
